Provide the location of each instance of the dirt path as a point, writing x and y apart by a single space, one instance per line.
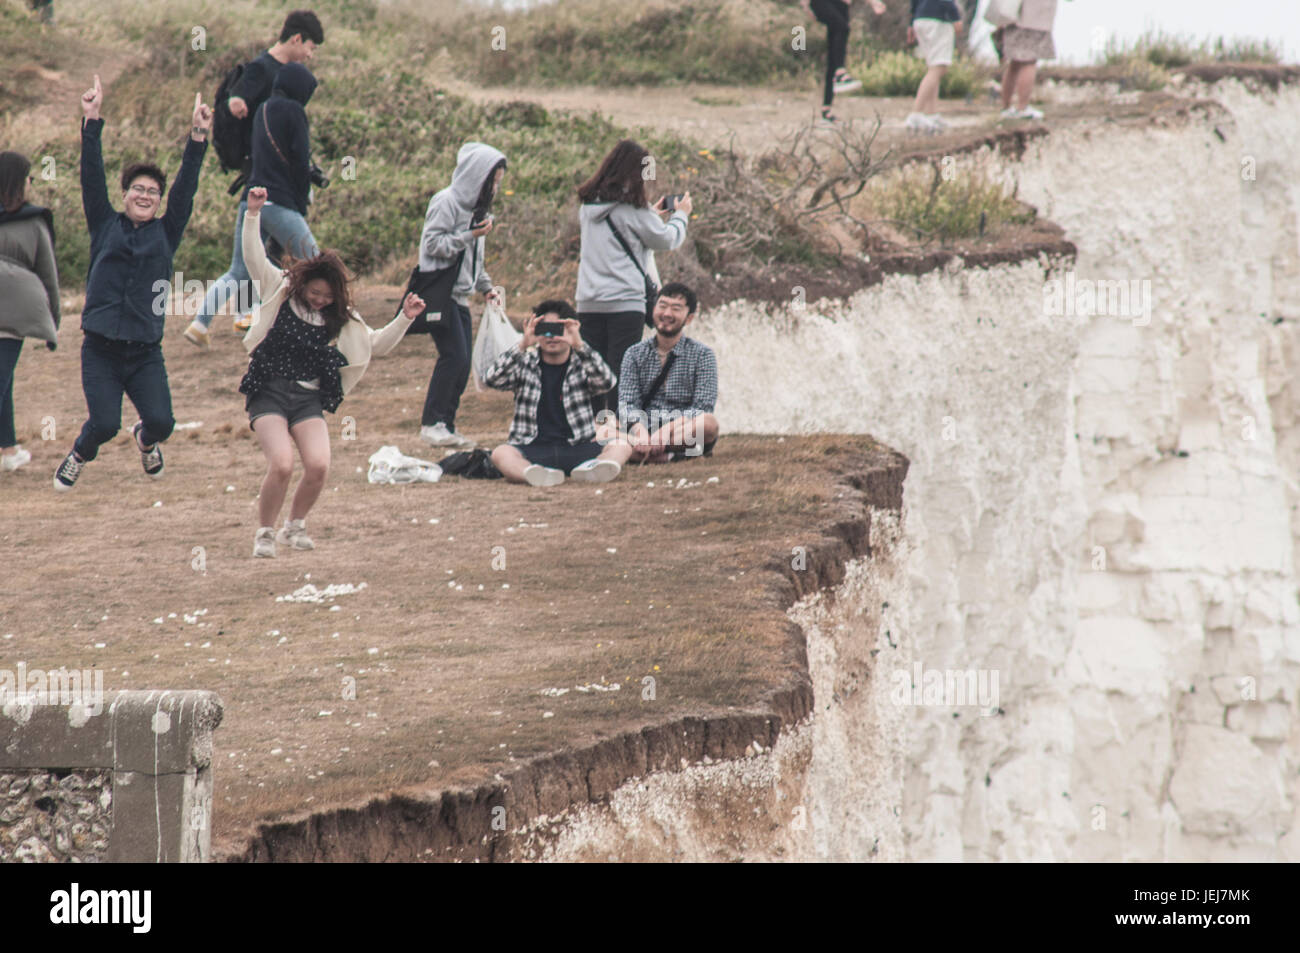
759 118
57 112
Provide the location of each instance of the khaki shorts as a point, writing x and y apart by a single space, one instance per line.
935 40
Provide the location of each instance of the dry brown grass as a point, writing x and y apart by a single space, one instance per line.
442 674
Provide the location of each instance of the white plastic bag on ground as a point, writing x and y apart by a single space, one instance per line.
496 335
389 465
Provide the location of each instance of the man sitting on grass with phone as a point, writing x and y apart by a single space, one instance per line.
668 386
553 434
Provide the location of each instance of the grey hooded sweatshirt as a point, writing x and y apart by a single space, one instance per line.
446 222
607 279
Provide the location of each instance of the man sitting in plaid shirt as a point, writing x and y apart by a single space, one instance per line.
554 430
675 420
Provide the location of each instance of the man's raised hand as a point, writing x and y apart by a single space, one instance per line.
201 123
572 334
529 339
92 99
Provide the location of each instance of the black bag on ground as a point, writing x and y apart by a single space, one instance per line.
651 289
470 464
435 288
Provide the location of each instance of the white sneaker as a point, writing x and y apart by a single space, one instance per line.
439 436
538 475
294 535
919 122
264 543
1029 112
12 461
844 83
197 334
1011 113
596 471
938 122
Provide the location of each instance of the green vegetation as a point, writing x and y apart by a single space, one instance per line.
920 200
898 73
1171 51
656 43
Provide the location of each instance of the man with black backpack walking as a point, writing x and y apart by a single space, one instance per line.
243 90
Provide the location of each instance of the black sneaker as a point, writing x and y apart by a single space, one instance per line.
151 460
65 477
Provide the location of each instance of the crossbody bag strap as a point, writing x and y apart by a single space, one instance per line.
626 247
267 127
658 381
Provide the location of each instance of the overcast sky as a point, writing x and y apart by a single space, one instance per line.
1082 23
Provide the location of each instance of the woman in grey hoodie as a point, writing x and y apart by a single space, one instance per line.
612 303
29 288
455 224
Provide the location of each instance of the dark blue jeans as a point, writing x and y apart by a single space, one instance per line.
9 350
110 369
454 335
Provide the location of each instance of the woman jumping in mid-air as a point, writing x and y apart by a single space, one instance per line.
308 348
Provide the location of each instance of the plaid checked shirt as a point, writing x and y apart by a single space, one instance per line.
690 389
520 371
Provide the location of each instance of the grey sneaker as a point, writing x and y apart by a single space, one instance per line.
294 535
150 459
538 475
264 543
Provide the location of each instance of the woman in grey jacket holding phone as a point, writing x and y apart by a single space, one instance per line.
612 298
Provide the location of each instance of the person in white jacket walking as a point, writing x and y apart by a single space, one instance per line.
455 225
612 295
307 349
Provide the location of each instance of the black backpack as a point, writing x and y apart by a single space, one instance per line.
232 137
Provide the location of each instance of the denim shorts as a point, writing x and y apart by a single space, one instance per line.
284 398
559 456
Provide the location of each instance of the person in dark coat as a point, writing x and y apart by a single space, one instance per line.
282 161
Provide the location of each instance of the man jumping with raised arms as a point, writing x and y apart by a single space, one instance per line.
130 253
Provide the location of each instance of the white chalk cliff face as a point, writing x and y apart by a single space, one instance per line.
1099 507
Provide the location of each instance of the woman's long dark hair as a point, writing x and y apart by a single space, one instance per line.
619 178
14 167
329 267
483 206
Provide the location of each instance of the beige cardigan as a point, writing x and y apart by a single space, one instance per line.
357 341
1037 15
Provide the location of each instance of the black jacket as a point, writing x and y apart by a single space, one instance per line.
131 266
281 140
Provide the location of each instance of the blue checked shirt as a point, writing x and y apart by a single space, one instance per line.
521 371
690 389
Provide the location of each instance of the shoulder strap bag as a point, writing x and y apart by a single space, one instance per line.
651 289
